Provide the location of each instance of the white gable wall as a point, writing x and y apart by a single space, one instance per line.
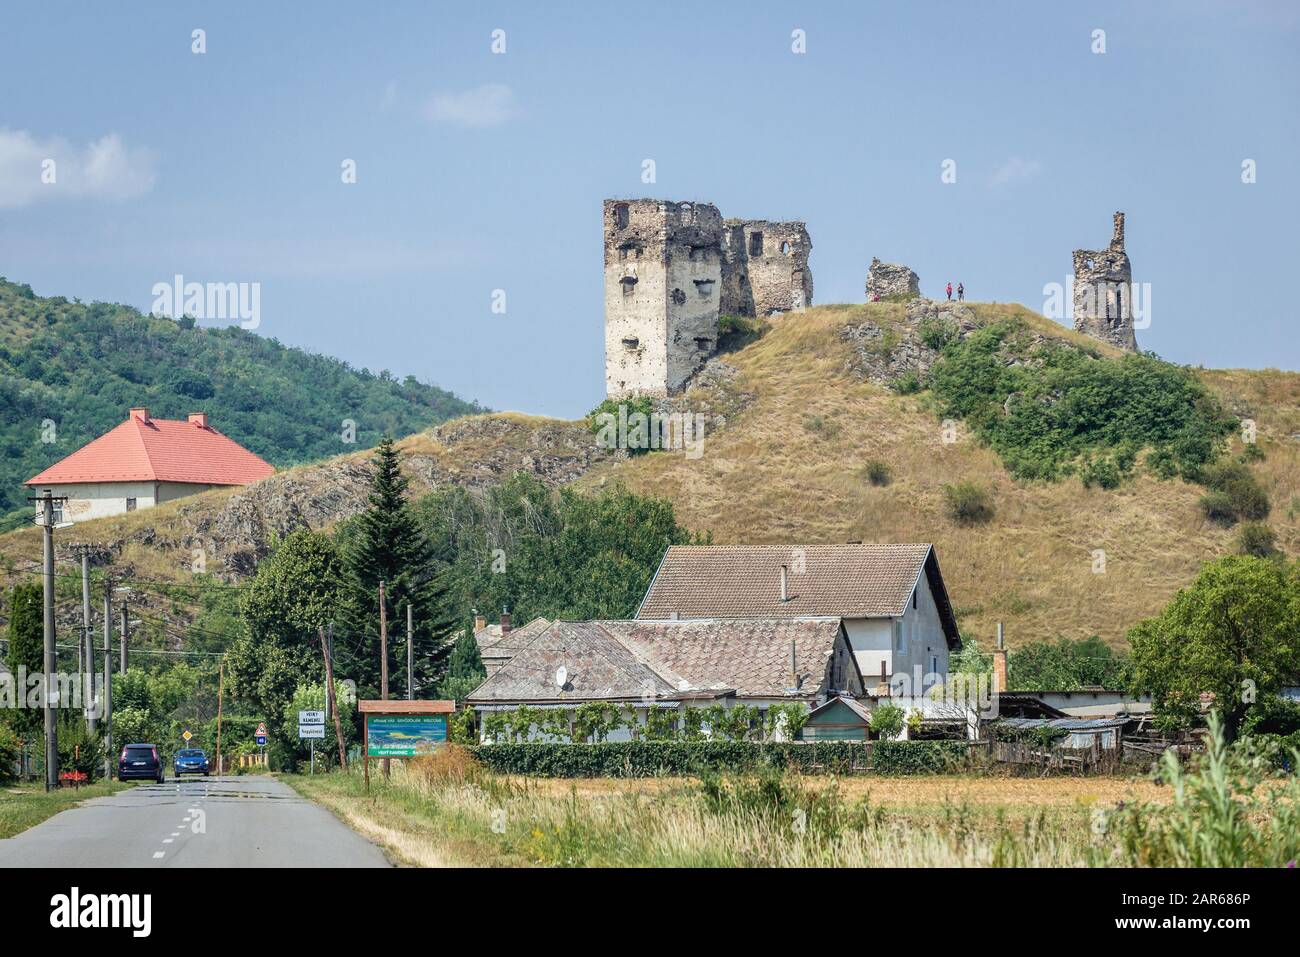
903 644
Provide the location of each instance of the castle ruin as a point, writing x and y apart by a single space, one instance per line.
1103 292
671 269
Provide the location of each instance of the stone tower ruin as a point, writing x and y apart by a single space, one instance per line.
671 268
663 284
765 267
1103 292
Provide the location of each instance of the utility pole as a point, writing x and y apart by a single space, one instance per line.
221 687
330 703
383 656
86 650
47 501
122 635
108 678
410 655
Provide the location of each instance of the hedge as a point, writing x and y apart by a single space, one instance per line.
635 759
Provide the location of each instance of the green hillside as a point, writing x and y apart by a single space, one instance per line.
82 366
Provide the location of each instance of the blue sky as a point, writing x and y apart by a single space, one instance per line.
478 171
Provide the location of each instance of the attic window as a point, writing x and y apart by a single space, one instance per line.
631 342
620 215
756 244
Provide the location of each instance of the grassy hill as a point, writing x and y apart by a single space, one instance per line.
81 367
806 408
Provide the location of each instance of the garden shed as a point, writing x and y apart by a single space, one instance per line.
839 719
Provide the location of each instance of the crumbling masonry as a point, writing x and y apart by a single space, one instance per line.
671 269
1103 292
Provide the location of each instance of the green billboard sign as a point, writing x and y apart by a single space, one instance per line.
405 735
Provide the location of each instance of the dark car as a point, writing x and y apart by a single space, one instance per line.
190 761
140 761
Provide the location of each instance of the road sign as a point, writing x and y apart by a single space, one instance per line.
261 740
187 736
311 717
261 730
316 731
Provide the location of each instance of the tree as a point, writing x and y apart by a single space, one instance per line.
465 670
310 696
387 543
1066 665
1232 636
295 591
26 648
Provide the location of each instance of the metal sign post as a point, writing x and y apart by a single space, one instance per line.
311 727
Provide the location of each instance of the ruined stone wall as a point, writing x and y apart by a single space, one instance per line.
765 267
891 279
1103 287
663 272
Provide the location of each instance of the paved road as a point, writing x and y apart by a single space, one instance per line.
249 821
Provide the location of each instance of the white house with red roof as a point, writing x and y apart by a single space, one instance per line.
144 462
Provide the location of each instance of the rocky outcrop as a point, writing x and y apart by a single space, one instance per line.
891 279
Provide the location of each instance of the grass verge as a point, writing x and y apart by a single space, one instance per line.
26 805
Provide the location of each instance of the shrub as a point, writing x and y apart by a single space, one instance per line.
937 333
605 428
636 759
1256 538
1235 494
1102 471
736 332
877 472
909 383
917 757
10 749
1043 406
887 721
968 503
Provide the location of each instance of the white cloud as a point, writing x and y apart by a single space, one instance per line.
105 168
1015 169
488 105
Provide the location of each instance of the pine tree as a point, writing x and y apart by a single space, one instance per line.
26 646
389 545
465 670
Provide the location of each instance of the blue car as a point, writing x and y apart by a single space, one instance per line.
190 761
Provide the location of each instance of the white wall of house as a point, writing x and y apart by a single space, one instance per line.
87 500
916 640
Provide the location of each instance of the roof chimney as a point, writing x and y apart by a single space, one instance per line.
785 583
479 621
139 413
198 418
505 622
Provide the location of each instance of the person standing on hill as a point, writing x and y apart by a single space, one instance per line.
950 292
961 292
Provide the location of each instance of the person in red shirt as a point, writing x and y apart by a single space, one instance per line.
950 292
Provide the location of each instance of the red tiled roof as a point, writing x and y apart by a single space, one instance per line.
144 449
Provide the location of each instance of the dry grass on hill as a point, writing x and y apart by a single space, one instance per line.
790 469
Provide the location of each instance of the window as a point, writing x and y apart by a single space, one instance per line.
620 215
58 513
756 244
687 212
629 285
679 297
785 248
934 664
631 342
913 599
130 505
703 343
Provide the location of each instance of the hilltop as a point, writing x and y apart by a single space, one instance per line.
794 418
69 372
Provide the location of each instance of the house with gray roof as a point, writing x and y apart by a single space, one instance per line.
674 664
891 599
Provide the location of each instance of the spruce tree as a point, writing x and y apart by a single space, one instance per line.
388 545
465 670
26 647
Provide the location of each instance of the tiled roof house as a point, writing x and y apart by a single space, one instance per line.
144 462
